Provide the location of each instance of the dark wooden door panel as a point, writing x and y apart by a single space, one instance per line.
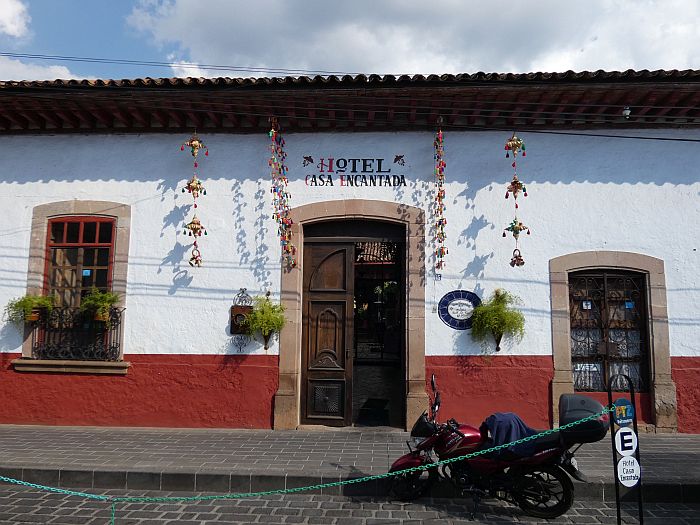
327 341
327 333
330 273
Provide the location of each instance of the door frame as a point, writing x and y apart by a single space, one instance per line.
287 407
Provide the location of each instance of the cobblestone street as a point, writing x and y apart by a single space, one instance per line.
22 505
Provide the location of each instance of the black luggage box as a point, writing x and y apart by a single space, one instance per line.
573 407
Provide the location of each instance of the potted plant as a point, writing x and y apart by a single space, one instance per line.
497 317
27 308
99 303
266 317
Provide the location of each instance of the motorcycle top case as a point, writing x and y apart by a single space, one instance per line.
573 407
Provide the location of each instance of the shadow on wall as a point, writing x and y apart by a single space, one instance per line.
174 259
10 338
261 261
471 157
239 205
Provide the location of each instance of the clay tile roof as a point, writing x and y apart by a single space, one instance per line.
571 100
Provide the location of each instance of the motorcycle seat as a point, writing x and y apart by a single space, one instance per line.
547 441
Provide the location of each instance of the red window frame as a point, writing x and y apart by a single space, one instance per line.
81 245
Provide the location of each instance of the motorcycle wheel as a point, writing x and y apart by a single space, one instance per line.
409 485
544 492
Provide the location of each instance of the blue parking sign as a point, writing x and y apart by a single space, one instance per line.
624 412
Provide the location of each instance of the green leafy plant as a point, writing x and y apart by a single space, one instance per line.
99 303
497 317
18 310
266 317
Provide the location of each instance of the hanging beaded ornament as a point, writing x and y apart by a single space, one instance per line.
195 188
516 227
195 228
516 187
516 146
195 145
280 195
439 203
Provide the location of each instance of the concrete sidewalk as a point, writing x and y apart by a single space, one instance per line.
217 460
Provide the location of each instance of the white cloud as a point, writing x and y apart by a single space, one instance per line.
14 23
14 18
11 69
414 36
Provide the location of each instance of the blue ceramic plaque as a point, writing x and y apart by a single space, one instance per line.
456 307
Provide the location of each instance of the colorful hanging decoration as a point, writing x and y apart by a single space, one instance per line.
516 145
516 187
194 187
195 145
280 195
439 204
195 229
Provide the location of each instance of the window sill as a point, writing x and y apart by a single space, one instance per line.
60 366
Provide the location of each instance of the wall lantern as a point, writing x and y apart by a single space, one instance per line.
242 306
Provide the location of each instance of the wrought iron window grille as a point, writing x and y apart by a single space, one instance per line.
70 334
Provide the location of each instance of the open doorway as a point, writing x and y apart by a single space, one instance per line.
354 322
378 395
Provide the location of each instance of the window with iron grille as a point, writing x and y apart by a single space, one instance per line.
608 324
79 256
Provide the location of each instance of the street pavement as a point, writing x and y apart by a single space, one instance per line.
128 461
20 505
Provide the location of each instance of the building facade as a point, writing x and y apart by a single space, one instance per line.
93 187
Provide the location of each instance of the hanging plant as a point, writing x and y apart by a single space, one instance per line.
266 317
497 317
27 308
99 303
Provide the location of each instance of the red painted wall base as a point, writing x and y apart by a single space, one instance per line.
474 387
686 375
234 391
237 391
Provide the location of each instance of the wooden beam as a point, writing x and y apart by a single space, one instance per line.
70 118
16 119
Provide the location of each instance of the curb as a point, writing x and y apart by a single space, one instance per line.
599 490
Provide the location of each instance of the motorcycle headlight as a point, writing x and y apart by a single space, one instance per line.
416 441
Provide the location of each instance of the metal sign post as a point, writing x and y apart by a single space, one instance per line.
625 446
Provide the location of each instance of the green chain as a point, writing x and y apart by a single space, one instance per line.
54 489
114 500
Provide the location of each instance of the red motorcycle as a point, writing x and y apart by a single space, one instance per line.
533 475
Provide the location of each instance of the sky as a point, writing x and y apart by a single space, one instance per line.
357 36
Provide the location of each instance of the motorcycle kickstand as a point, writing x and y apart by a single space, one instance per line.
476 498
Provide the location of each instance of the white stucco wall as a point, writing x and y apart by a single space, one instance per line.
585 193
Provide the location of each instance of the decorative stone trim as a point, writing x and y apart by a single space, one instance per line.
69 366
121 213
287 398
663 389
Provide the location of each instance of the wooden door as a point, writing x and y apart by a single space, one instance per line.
327 333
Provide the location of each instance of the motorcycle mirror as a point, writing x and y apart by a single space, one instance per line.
433 383
436 405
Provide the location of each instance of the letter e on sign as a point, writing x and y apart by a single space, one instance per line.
625 441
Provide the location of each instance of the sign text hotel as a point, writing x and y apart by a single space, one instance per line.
351 172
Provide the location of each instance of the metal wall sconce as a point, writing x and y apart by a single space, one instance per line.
242 306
